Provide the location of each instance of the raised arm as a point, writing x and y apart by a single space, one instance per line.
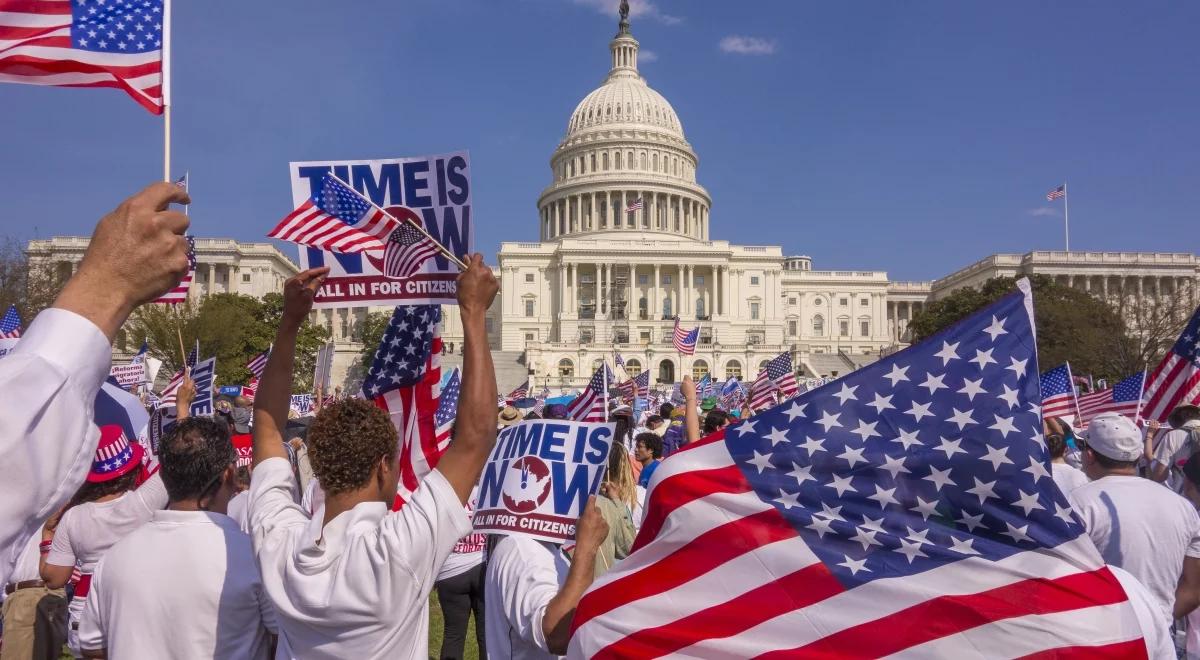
691 418
275 388
590 532
48 383
475 426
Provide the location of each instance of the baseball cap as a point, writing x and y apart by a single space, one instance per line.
1115 437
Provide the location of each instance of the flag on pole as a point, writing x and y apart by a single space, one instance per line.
81 43
10 325
636 387
589 405
635 205
1124 399
140 356
447 412
762 391
337 219
180 292
685 340
883 514
404 381
705 387
732 395
1058 392
407 250
167 396
1057 193
1176 380
781 372
250 390
618 360
520 392
258 363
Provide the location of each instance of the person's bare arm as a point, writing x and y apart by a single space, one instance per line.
136 254
590 532
184 397
53 575
475 426
1187 594
273 397
691 418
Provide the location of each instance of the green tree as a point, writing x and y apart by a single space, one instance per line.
232 327
1072 325
30 287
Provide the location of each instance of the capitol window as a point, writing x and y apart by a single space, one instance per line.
666 279
699 368
529 336
565 368
633 368
528 277
754 280
528 308
843 302
844 327
791 301
643 279
753 311
864 328
246 277
793 327
606 162
667 308
863 302
733 369
700 280
819 325
618 153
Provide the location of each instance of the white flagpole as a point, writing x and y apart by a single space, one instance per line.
604 366
166 89
1066 218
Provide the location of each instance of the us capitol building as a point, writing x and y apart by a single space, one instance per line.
625 246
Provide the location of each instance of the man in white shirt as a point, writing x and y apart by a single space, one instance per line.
185 584
532 590
48 383
1137 524
23 598
1175 446
354 580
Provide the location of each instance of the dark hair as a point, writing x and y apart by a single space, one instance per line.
533 415
665 410
1056 445
650 441
714 421
242 477
345 443
620 429
92 491
654 419
1191 470
193 457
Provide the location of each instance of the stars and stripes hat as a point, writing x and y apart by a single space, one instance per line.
115 455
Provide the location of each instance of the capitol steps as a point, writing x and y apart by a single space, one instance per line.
510 368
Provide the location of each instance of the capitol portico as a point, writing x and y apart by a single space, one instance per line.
625 248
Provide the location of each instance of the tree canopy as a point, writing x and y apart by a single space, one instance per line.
232 327
1072 325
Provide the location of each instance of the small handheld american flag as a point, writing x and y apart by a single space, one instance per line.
685 340
167 396
258 363
1124 399
589 405
1058 393
407 250
10 325
180 292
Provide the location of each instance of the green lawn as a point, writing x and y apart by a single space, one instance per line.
470 650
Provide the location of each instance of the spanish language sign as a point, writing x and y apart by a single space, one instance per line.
437 188
539 477
128 375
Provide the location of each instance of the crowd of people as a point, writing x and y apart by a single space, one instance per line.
245 540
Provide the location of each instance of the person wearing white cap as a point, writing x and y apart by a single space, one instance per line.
1137 524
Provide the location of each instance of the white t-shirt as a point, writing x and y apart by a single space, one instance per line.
184 585
27 567
523 575
468 551
359 587
1173 448
639 507
1067 477
238 509
1141 527
87 531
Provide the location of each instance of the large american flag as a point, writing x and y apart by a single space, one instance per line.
85 43
404 380
10 325
167 396
906 509
589 405
258 364
447 412
337 219
1058 393
1057 193
180 292
685 340
1176 380
1124 399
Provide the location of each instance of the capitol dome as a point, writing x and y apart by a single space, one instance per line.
624 164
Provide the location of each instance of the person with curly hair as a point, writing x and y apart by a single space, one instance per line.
353 581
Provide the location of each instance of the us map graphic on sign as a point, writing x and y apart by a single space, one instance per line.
434 191
539 477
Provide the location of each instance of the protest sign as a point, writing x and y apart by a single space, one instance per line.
437 188
302 404
539 477
202 375
231 390
128 375
324 368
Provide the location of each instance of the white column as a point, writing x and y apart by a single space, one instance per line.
631 305
653 301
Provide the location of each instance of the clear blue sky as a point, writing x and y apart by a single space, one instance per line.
913 137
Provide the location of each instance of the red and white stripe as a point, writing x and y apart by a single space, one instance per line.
1095 403
1175 382
258 364
36 49
167 396
717 572
412 410
310 225
587 407
762 392
1059 405
180 292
